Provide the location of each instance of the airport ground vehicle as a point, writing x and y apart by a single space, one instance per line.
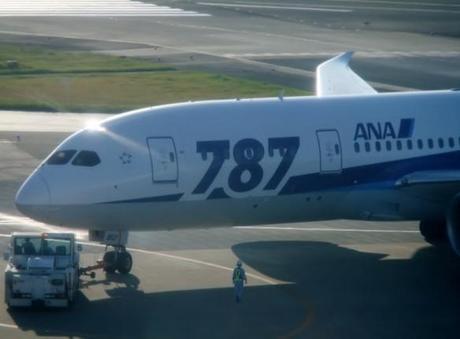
43 269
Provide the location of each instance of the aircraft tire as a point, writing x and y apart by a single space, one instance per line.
434 231
8 289
7 295
110 261
124 262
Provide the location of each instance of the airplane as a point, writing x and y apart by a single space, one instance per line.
346 153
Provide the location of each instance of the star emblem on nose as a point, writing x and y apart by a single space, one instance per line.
125 158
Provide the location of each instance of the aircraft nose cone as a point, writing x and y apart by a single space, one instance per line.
33 193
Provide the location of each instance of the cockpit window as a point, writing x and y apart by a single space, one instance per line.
61 157
86 158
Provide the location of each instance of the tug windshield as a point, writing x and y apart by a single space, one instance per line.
41 246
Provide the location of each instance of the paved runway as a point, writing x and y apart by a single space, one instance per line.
83 8
400 45
337 279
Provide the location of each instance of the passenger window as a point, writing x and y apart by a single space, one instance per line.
87 159
367 147
451 142
398 145
441 143
420 143
430 143
356 147
409 144
388 145
378 146
61 157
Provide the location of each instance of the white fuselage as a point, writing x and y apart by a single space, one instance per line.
241 162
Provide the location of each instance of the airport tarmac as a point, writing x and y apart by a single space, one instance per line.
400 45
335 279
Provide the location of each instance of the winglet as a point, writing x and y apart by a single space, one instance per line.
335 77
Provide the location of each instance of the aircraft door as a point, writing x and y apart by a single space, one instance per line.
330 151
163 159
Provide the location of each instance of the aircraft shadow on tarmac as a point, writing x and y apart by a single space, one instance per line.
358 295
334 292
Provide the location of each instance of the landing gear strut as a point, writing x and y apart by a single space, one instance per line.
118 259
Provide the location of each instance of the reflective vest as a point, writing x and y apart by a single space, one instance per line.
238 274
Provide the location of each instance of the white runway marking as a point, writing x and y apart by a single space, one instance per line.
402 9
317 229
169 256
8 326
328 8
17 220
204 263
8 219
89 8
406 3
367 2
363 54
176 257
297 8
190 260
17 121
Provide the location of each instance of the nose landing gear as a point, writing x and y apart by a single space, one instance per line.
118 259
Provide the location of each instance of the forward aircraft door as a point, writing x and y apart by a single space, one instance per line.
330 151
163 158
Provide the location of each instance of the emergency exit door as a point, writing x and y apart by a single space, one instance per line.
330 151
163 158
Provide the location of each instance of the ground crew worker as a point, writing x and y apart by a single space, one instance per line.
28 248
46 250
239 279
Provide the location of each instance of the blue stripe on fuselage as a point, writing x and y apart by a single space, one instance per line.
380 175
371 174
161 198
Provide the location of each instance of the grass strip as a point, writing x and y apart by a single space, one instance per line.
53 80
